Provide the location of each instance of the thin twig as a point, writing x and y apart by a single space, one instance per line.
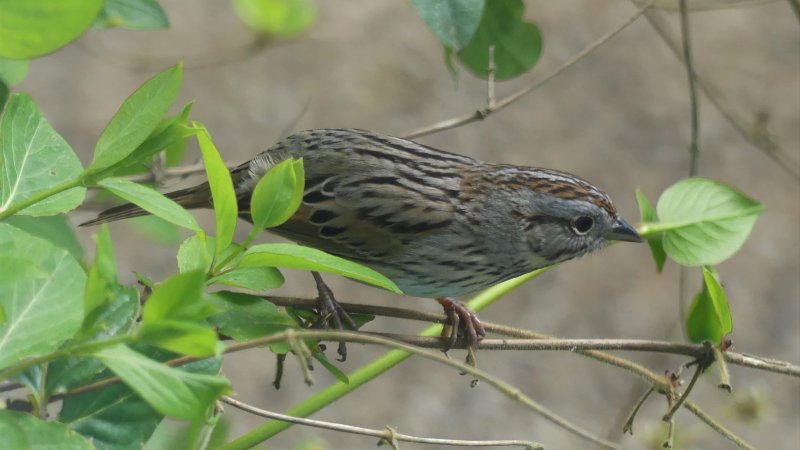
670 425
759 140
628 427
722 367
694 149
739 359
716 426
509 390
385 434
492 69
480 114
679 401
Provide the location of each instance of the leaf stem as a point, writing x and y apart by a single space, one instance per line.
42 195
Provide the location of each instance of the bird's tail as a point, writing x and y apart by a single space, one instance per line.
190 198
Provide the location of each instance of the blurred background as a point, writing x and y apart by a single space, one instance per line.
619 118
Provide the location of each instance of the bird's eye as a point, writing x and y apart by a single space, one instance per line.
582 224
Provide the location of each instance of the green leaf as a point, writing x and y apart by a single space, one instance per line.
55 229
709 316
13 71
253 278
517 44
335 371
138 116
33 158
103 273
277 194
151 201
306 258
244 317
170 391
24 431
656 243
34 28
181 336
705 221
219 178
173 131
195 254
279 18
41 294
178 298
132 14
115 318
114 418
454 22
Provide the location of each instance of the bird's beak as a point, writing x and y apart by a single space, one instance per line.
622 231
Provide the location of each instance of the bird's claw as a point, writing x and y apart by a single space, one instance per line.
459 316
330 309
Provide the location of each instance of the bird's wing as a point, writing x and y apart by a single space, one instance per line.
364 199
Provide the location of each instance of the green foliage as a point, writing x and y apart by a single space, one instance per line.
13 71
171 136
517 43
136 119
656 243
173 317
115 417
170 391
278 18
452 21
306 258
33 159
226 210
244 317
151 201
34 28
41 295
23 431
278 194
132 14
55 229
63 326
195 253
468 28
252 278
703 221
709 317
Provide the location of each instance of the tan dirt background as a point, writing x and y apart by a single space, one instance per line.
619 118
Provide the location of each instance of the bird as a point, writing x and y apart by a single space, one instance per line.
439 224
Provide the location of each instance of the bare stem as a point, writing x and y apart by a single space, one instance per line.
480 114
386 435
628 427
758 139
716 426
694 149
679 402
